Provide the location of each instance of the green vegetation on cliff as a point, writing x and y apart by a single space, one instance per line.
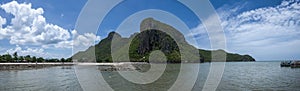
153 35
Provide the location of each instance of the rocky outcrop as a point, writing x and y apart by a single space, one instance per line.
151 24
153 35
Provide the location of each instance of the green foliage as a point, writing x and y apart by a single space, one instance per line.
8 57
2 59
52 60
21 58
40 59
33 59
62 60
15 56
150 38
28 58
69 60
230 57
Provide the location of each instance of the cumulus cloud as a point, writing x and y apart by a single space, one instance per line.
81 42
39 52
269 28
29 27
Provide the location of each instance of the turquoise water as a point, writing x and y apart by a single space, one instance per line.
237 76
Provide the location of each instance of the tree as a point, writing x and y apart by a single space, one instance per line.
62 60
8 57
52 60
28 58
69 60
55 60
33 59
46 60
15 56
21 58
1 58
40 59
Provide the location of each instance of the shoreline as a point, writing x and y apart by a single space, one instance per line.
73 63
123 66
103 64
29 66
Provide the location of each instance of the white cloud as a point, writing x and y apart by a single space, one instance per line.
2 32
210 32
81 42
29 26
86 40
261 28
39 52
280 23
199 30
78 43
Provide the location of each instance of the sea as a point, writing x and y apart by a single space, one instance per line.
236 76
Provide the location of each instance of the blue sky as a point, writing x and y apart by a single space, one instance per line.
265 29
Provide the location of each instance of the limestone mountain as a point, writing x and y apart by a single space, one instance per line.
154 35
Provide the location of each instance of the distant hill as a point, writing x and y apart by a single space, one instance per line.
153 35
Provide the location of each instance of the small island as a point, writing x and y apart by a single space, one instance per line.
152 36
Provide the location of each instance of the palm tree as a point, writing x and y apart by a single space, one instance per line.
15 56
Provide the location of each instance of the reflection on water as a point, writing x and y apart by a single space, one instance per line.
237 76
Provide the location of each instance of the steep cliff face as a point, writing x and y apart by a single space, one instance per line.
151 40
151 24
153 35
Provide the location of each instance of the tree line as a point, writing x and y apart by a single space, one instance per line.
14 58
